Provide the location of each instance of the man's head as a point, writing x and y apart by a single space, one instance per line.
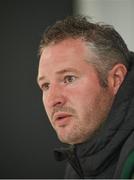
82 66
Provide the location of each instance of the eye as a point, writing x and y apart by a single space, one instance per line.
69 79
45 86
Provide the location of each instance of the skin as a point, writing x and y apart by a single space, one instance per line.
75 102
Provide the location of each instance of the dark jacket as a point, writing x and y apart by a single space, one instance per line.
109 153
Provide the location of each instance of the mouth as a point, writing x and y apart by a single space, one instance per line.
61 119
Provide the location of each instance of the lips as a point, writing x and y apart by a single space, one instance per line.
61 118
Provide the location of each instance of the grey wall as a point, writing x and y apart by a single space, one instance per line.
119 13
26 137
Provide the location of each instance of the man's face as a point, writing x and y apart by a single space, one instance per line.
75 102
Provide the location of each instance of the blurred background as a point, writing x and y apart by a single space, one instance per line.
119 13
27 140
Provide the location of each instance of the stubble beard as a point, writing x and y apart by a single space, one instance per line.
81 130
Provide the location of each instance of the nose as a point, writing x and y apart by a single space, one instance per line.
54 97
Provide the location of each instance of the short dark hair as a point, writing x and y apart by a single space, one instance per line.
104 40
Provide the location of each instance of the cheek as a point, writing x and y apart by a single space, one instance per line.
82 94
45 106
84 98
43 101
79 99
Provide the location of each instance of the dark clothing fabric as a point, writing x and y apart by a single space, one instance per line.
103 155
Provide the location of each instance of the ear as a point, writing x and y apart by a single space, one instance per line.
116 77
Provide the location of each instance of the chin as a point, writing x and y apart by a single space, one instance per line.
67 135
64 139
69 140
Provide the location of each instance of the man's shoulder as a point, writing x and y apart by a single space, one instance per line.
125 165
128 167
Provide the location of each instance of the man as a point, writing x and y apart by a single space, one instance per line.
86 75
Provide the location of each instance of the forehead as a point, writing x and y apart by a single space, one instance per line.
64 48
66 54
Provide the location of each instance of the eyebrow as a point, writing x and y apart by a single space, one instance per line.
67 70
63 71
40 79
